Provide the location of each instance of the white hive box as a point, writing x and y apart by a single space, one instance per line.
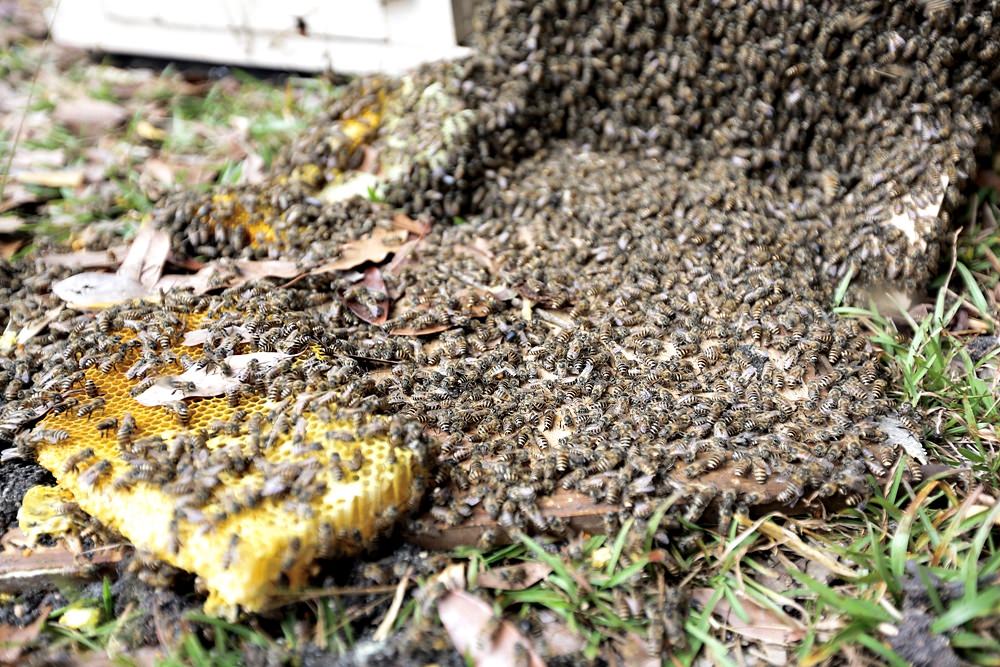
356 36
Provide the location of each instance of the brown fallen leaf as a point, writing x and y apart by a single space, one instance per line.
14 195
11 223
424 331
376 312
478 635
13 639
34 158
480 251
401 257
634 651
514 577
87 116
146 256
9 248
65 178
373 248
559 639
200 382
418 227
147 656
761 624
87 259
370 162
227 273
93 290
36 326
160 171
149 132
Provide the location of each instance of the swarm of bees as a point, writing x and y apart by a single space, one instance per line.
657 203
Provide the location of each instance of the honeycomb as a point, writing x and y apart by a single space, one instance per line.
271 502
42 512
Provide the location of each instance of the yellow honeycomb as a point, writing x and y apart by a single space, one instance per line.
229 213
277 538
42 512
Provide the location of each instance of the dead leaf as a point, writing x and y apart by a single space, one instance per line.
479 251
477 634
253 170
418 227
373 248
762 624
16 195
66 178
401 258
84 115
378 312
199 382
559 640
514 577
13 639
199 336
33 158
425 331
160 171
9 248
87 259
34 327
228 273
93 290
146 256
370 162
11 223
896 434
147 656
634 651
149 132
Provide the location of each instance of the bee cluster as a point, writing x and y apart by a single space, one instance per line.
658 201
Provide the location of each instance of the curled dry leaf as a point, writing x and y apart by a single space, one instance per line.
146 256
36 326
634 651
418 227
477 634
479 251
87 259
11 223
761 623
14 639
227 273
401 257
898 435
199 336
373 248
88 116
65 178
423 331
9 248
200 382
16 195
94 290
514 577
375 308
